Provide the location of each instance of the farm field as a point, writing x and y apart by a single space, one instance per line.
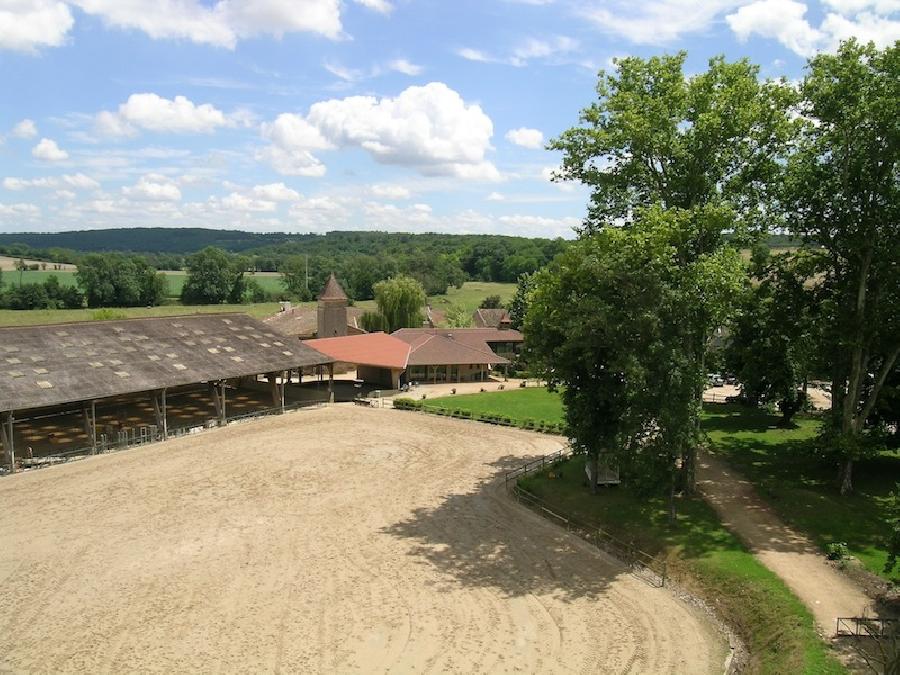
8 264
469 296
241 549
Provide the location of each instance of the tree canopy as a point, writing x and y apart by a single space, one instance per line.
400 302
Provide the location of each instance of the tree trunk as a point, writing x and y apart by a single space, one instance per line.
689 469
672 496
595 471
847 476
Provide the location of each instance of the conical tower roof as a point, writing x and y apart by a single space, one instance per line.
332 290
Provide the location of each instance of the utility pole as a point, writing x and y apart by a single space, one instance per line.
307 272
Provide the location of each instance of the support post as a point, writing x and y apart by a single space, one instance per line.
331 382
222 407
217 390
284 374
6 437
93 427
159 408
273 388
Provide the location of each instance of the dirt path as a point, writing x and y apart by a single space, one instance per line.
331 540
794 558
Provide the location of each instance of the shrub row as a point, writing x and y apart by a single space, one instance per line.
488 418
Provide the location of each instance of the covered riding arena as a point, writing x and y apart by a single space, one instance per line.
90 385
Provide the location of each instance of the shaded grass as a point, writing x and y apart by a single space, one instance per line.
533 403
706 559
801 487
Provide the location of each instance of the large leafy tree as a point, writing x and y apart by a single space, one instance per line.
608 321
400 301
842 194
115 280
772 346
657 136
708 149
213 277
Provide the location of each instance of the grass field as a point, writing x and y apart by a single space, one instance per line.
707 559
518 404
802 488
469 296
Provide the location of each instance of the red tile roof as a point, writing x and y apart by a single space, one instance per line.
370 349
489 318
472 336
433 348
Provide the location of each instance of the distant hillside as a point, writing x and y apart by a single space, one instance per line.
147 240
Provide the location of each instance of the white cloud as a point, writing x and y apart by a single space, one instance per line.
346 74
385 191
533 48
430 128
49 151
25 129
654 21
78 181
846 7
785 21
473 55
153 187
222 23
20 209
276 192
65 194
526 138
238 202
28 25
405 67
154 113
780 19
382 6
495 197
865 27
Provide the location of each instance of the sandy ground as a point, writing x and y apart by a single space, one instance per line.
332 540
9 264
825 591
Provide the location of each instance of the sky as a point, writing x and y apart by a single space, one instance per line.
320 115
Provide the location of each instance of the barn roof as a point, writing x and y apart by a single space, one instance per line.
490 318
65 363
437 349
303 322
371 349
473 336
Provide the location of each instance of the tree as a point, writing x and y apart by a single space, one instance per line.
688 159
518 306
114 280
362 272
294 272
772 342
656 136
400 301
842 196
213 277
372 322
491 302
613 321
458 317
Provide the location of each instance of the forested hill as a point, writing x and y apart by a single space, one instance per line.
146 240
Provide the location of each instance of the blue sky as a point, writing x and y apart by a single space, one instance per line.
317 115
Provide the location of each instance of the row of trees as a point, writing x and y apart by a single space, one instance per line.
696 167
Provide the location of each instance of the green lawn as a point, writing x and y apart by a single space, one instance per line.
801 487
38 277
705 558
518 404
471 294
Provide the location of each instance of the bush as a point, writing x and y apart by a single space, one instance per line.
406 404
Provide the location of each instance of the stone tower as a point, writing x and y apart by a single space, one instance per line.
332 315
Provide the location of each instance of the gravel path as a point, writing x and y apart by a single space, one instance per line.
334 540
793 557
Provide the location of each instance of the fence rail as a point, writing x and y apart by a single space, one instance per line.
146 434
863 626
640 563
